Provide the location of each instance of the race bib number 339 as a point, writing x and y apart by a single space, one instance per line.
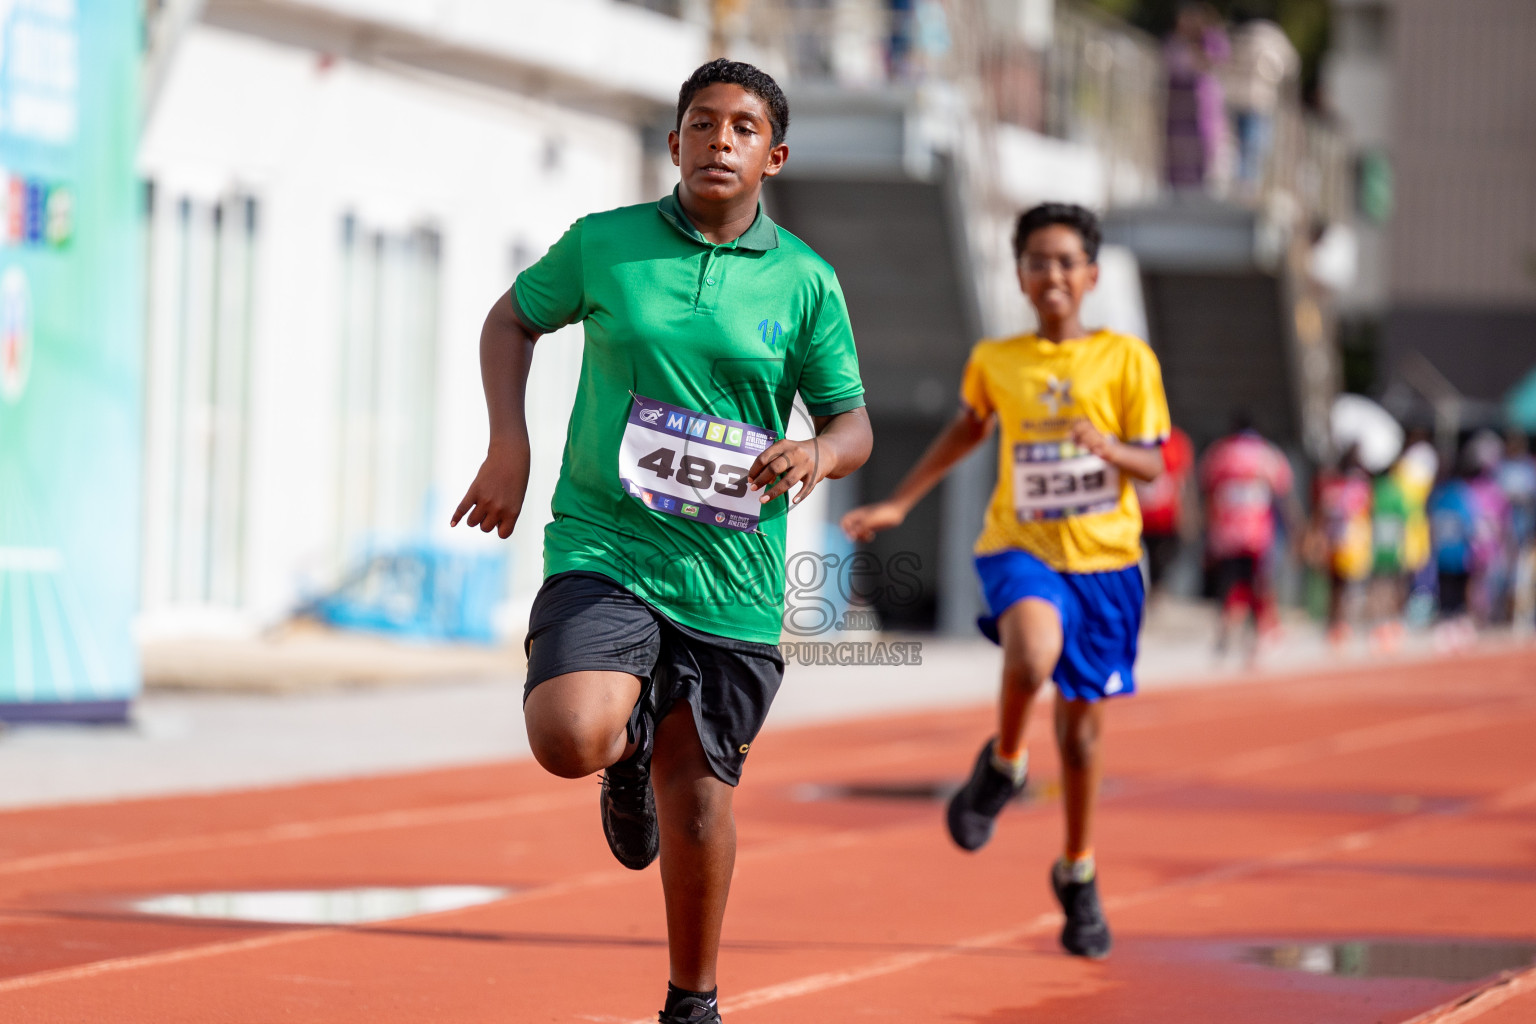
684 463
1058 480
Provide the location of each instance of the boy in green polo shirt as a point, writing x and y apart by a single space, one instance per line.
652 646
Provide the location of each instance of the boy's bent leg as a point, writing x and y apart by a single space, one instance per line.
578 722
1031 635
1078 725
698 848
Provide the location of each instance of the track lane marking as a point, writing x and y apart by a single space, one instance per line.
321 828
1508 799
591 880
1371 737
1343 843
1351 741
1489 997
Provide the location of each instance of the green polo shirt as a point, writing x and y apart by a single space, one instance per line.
733 331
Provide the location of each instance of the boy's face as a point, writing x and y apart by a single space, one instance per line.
725 145
1055 272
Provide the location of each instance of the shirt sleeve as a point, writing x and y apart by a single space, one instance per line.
973 387
1144 418
1178 454
829 380
1283 478
552 293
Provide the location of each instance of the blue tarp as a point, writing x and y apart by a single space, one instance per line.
420 591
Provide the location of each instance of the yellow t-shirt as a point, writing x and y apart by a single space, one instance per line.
1416 485
1053 499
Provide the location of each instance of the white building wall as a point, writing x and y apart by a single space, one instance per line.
606 45
312 141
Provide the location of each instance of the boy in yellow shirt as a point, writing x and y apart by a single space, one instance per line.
1082 414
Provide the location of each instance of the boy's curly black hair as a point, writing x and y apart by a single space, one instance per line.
1080 219
733 72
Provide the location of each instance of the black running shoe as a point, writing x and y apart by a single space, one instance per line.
628 805
1086 932
974 809
691 1011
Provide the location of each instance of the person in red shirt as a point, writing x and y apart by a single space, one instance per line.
1247 483
1164 518
1339 538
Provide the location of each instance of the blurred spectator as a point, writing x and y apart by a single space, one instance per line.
1263 61
1416 471
1246 482
1389 534
1339 539
919 38
1467 516
899 52
1491 528
1451 518
1517 479
1165 516
1196 113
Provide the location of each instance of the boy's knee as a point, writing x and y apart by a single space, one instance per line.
1026 677
1079 748
697 817
571 754
698 828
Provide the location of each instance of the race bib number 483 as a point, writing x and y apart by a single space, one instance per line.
683 463
1058 479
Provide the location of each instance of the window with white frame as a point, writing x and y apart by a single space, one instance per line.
387 403
200 302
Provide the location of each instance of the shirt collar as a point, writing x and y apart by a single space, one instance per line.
762 236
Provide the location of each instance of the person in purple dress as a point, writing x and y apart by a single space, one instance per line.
1197 118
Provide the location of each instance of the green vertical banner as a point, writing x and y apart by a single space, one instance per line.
70 358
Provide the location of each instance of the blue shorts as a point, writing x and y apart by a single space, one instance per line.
1100 618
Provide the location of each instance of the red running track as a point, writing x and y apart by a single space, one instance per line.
1394 805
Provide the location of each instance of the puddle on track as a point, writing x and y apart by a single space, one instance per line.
1462 960
915 790
319 906
923 790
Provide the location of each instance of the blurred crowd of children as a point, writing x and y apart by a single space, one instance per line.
1414 546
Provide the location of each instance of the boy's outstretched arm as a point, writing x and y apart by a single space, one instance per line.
495 499
841 445
1145 464
954 443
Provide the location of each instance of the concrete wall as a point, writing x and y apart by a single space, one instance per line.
1464 148
1463 267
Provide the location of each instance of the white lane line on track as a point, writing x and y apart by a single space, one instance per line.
1519 796
130 963
593 880
298 830
1345 842
1489 997
1353 741
479 810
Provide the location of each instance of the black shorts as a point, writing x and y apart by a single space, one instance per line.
1162 552
1453 593
1234 571
585 622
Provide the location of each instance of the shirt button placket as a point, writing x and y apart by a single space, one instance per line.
707 300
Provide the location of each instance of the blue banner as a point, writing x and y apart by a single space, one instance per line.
70 358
